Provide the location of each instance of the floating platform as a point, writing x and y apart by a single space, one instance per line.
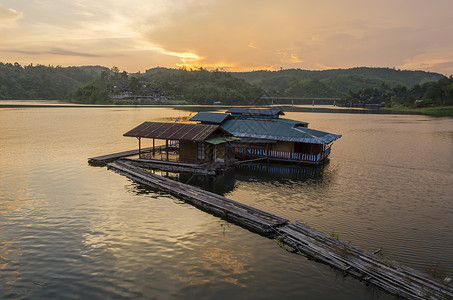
391 276
169 166
104 159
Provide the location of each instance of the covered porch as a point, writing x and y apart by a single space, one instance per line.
183 143
285 151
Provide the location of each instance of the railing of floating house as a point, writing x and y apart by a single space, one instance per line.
284 155
148 154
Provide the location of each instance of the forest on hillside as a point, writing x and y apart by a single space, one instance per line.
198 86
428 94
100 85
43 82
332 83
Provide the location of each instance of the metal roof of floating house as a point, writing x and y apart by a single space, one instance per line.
277 130
174 131
255 111
207 117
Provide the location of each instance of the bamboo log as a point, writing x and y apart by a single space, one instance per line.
402 270
399 280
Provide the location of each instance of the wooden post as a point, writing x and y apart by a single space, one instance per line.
166 148
139 148
154 148
322 152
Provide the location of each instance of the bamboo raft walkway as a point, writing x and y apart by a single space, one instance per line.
393 277
103 159
169 166
248 216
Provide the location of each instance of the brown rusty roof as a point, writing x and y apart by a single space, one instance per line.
173 131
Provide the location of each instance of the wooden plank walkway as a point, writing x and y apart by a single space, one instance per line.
103 159
250 217
393 277
168 166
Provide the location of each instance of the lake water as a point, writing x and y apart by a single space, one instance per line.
69 230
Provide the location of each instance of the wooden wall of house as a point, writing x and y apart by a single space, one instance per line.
229 152
187 151
308 148
283 146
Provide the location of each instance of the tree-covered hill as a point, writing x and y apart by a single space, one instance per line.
198 86
332 83
43 82
204 87
428 94
97 84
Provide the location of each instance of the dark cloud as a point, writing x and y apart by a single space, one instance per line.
58 51
54 51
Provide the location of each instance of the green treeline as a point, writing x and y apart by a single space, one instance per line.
201 86
99 85
198 86
428 94
332 83
42 82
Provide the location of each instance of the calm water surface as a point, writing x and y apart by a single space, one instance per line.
69 230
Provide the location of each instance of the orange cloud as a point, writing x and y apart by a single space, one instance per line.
233 35
8 15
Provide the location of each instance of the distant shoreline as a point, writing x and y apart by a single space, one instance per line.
441 111
446 111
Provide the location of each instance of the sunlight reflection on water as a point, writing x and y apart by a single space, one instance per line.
67 228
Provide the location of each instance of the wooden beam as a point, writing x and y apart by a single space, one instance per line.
166 148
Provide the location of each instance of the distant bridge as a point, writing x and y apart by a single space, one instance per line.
301 100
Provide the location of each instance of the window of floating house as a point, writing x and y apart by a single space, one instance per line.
201 151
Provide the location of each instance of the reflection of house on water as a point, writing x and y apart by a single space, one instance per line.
262 172
273 171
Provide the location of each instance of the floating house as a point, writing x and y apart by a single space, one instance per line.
239 133
186 143
263 134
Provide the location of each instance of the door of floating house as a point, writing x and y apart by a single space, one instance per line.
220 148
194 152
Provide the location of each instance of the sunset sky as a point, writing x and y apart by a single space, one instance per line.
235 35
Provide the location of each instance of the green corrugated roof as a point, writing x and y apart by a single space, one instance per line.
215 140
277 130
255 111
216 118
